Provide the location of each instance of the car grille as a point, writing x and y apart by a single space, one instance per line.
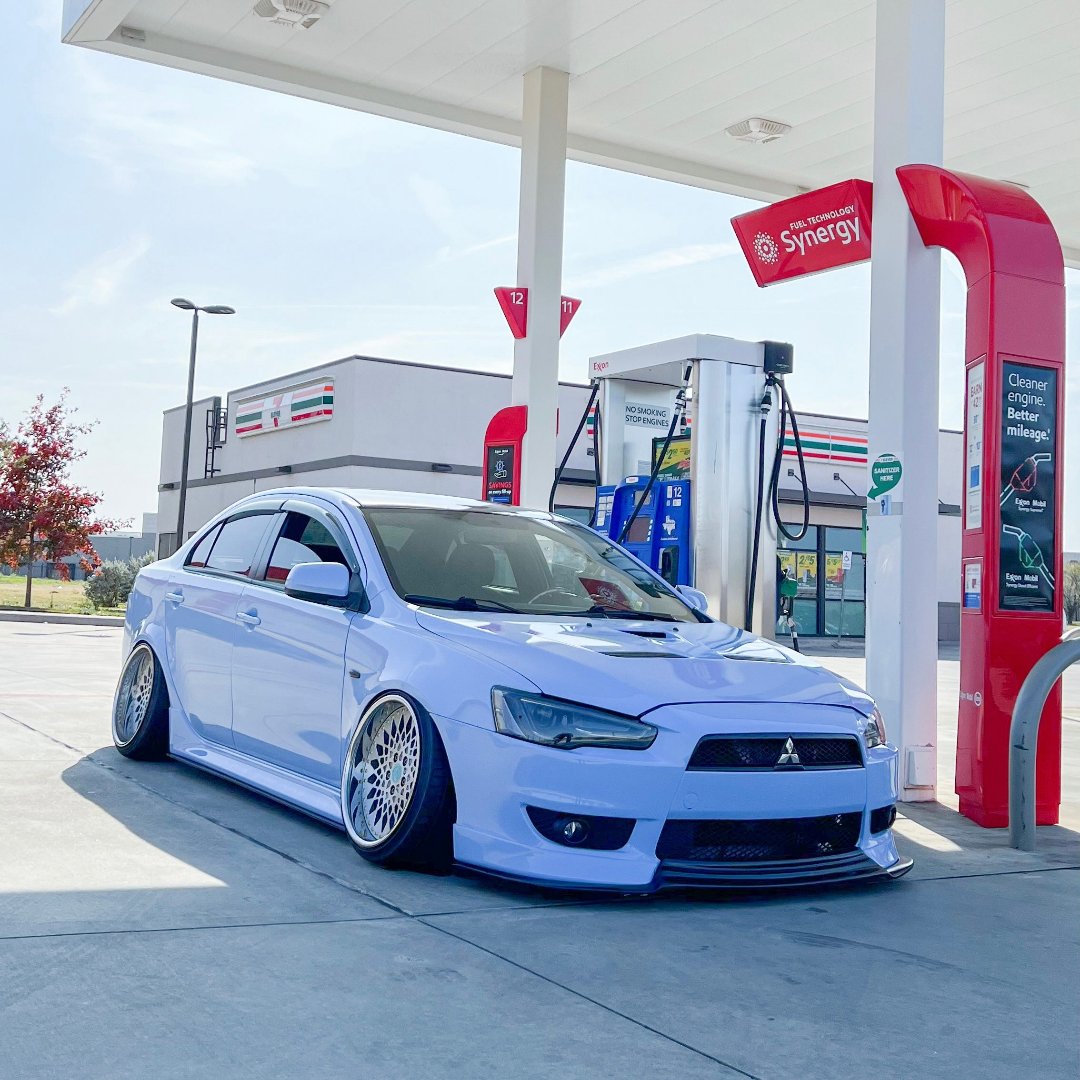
752 752
766 840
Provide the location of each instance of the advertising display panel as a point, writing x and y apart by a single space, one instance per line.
1028 503
499 466
502 455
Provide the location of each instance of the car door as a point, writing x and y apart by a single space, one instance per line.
200 617
289 661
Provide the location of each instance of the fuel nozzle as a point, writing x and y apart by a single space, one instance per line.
1029 552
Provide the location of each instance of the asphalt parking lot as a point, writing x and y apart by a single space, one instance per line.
156 922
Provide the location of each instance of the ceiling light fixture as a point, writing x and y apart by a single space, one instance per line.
292 13
757 130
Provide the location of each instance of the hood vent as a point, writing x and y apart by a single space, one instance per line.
655 654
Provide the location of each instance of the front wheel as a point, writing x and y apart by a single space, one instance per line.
396 794
140 716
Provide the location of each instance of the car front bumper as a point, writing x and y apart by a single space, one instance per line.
497 778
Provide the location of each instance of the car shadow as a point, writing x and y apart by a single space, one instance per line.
177 804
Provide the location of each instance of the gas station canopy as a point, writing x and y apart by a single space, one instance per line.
654 84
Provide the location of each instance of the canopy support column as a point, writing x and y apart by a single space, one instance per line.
539 266
902 536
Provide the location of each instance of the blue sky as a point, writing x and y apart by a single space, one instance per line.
333 232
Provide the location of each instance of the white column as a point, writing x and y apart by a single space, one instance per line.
901 633
540 244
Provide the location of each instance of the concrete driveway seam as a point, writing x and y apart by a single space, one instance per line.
732 1069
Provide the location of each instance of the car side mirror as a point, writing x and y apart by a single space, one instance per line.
694 597
320 581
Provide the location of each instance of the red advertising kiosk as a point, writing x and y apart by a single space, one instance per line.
1012 559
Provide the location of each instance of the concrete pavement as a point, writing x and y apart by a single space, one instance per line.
157 922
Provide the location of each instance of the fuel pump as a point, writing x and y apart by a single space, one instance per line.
688 503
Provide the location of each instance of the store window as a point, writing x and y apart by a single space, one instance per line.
845 589
799 560
830 599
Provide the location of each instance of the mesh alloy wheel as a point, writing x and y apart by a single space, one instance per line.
140 714
132 705
383 769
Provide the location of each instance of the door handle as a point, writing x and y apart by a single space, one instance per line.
175 597
248 618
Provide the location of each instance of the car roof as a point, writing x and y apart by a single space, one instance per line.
372 498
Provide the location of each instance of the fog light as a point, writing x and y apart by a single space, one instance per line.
581 830
575 831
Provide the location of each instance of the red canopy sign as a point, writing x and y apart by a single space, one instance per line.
567 311
808 233
515 306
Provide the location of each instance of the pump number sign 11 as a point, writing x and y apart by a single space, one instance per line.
1027 500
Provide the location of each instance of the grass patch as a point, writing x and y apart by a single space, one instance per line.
49 594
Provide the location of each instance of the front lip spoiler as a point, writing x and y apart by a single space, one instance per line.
851 868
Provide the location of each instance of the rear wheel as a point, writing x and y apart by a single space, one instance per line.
396 794
140 717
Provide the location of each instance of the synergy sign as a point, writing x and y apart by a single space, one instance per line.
808 233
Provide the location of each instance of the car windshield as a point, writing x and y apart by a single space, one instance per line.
490 560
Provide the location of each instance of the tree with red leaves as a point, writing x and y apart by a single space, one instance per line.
42 514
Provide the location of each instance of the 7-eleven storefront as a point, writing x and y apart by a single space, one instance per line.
829 561
376 423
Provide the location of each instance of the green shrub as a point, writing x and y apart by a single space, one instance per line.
111 583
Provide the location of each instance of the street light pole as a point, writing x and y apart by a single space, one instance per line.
213 309
185 459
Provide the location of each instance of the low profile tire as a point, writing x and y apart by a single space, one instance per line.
140 716
397 798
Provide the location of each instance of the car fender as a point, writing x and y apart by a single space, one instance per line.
144 621
452 682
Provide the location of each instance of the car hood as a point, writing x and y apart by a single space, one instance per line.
635 666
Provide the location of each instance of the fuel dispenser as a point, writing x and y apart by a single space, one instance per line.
659 532
685 468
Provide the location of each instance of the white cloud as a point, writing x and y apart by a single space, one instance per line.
653 263
113 120
97 283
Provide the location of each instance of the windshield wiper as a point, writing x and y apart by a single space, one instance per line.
462 603
598 609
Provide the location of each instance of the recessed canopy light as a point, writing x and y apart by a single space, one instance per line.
757 130
292 13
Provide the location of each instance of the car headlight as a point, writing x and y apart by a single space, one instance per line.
874 735
561 724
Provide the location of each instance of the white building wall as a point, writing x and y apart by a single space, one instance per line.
396 426
393 421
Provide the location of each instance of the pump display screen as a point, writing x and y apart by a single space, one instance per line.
639 530
1028 552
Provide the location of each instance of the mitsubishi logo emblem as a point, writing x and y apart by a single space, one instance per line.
789 758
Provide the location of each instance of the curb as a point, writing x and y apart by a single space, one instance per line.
60 617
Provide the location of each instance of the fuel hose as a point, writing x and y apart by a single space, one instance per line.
570 449
787 416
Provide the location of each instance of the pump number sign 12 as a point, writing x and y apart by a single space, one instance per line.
1027 499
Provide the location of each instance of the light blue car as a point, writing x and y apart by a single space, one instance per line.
456 682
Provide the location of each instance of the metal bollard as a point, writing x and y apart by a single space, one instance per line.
1024 737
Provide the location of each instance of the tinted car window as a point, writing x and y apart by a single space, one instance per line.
197 558
302 540
533 565
236 545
